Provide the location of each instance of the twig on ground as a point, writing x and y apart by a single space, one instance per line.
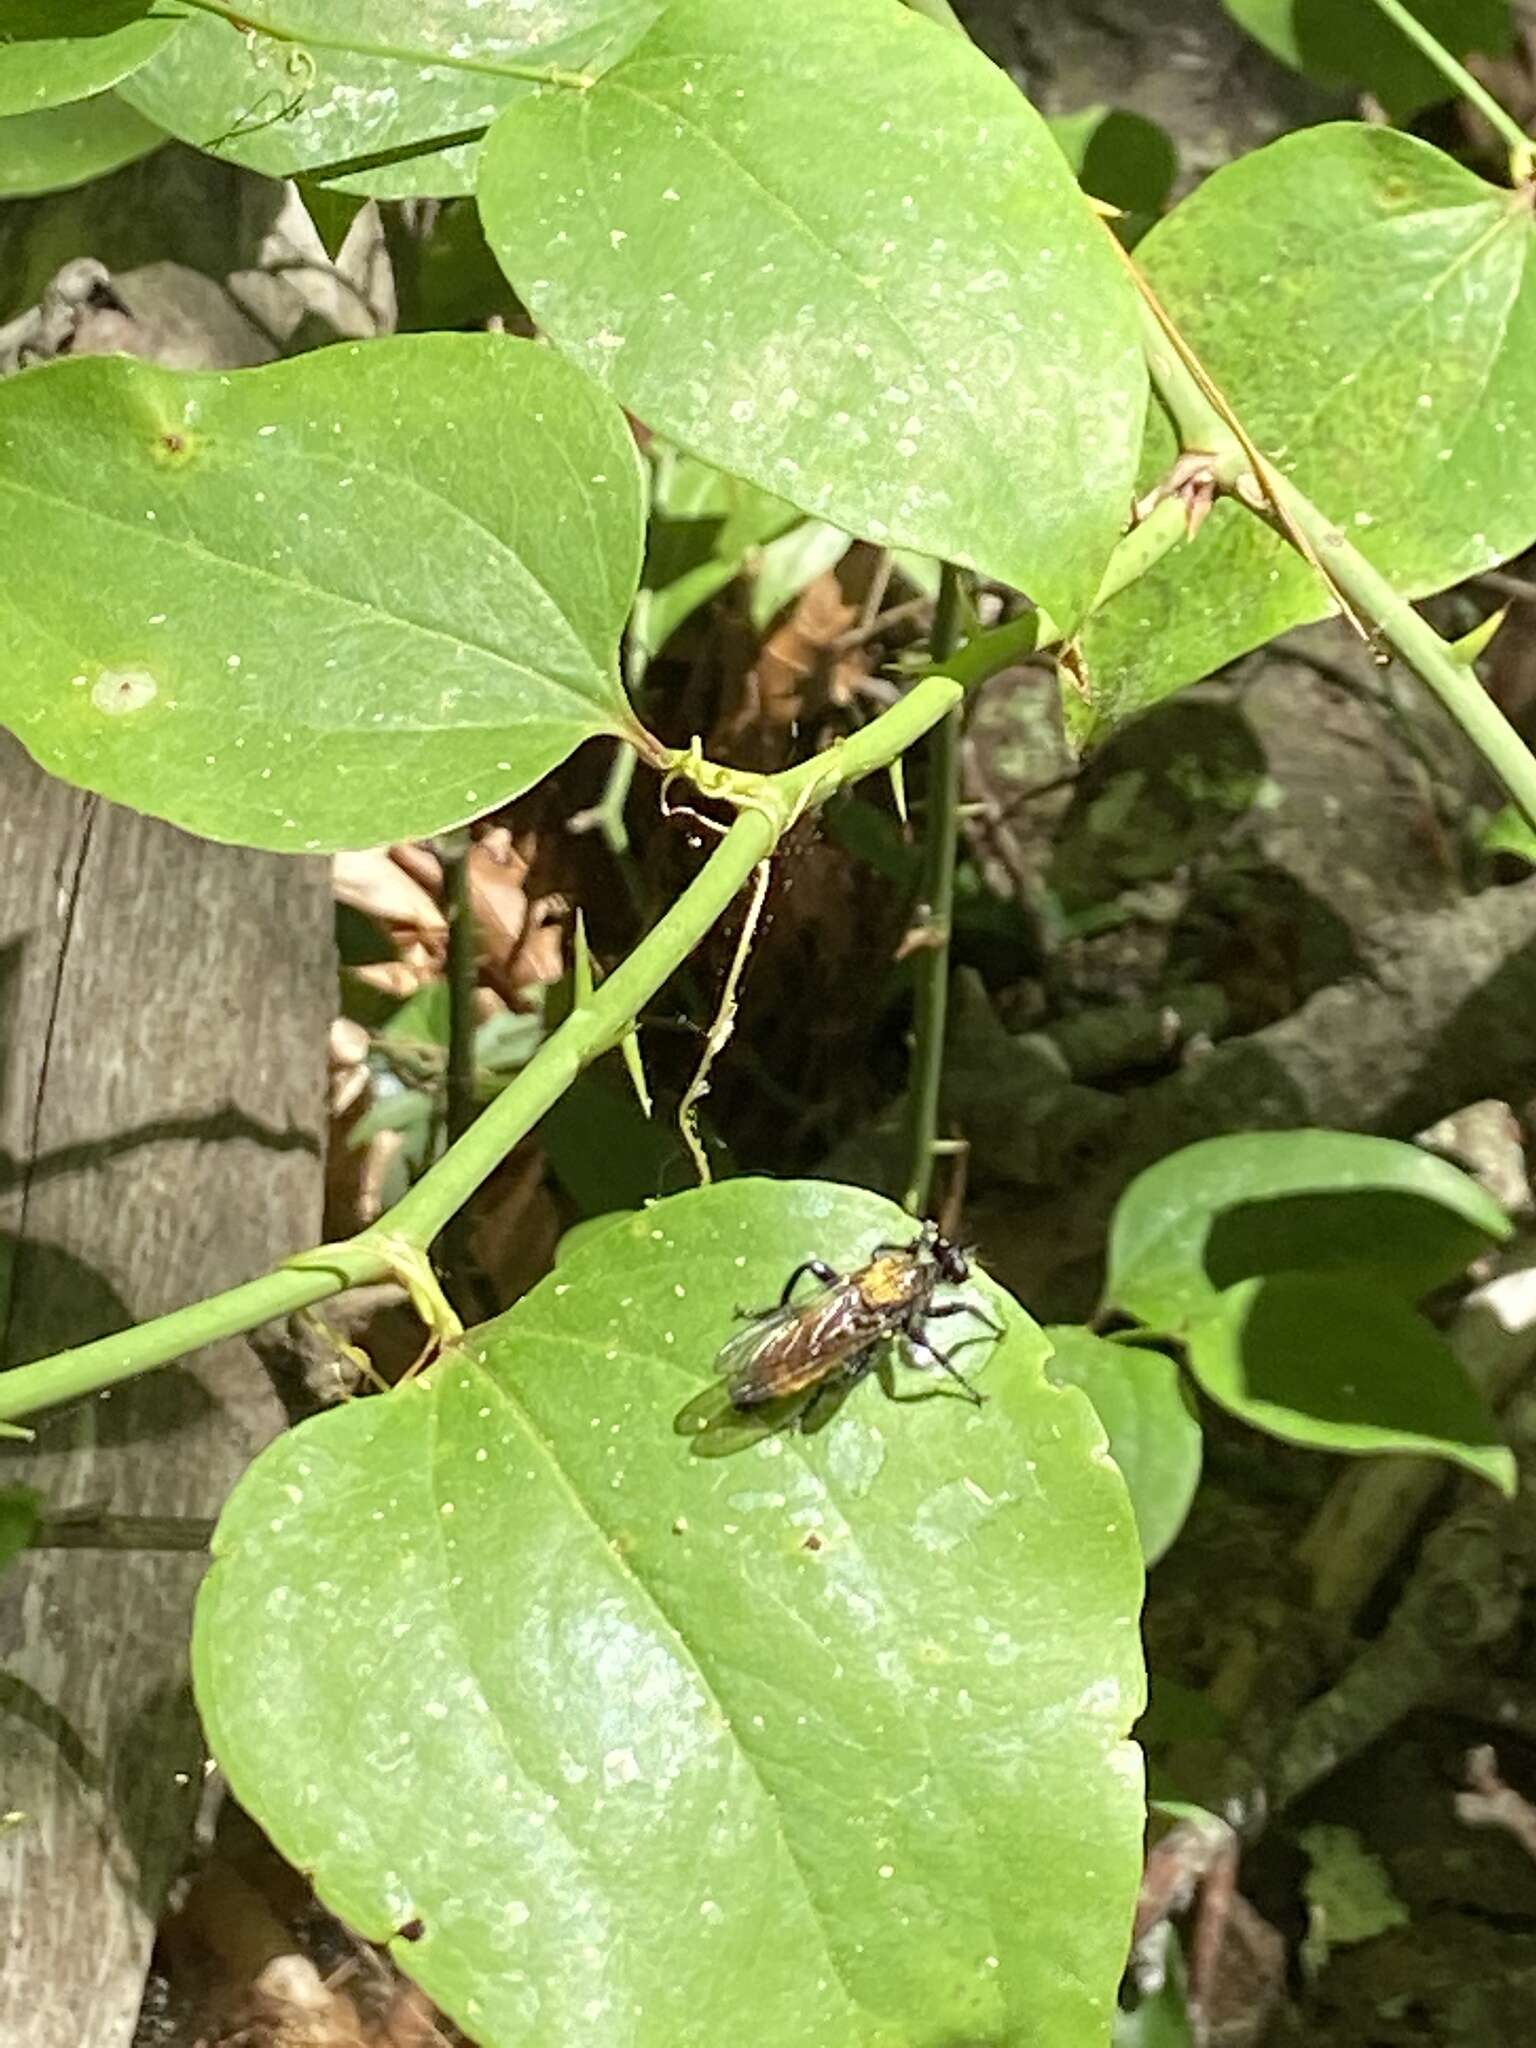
1464 1595
1492 1804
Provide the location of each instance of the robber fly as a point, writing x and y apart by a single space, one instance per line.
828 1341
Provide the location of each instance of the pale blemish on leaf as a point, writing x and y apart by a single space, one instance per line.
117 690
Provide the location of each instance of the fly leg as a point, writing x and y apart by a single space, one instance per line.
827 1275
964 1308
929 1358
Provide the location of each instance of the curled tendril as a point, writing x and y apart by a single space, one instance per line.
301 68
685 771
301 72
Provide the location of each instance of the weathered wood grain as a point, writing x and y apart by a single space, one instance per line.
163 1014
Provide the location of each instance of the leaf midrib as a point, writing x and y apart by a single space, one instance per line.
291 587
648 1597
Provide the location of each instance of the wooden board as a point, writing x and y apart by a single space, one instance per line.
164 1005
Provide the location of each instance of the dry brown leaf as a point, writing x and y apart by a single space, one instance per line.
412 2022
346 1064
792 679
421 864
497 872
395 887
522 941
399 978
301 2011
381 886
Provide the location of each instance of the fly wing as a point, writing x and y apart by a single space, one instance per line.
756 1339
792 1348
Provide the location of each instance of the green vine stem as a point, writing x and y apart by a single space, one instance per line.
89 1368
460 1106
986 654
606 816
1522 150
1205 427
767 806
1416 643
462 973
936 912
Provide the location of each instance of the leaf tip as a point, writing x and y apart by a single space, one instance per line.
1498 1467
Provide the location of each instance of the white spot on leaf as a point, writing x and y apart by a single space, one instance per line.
117 690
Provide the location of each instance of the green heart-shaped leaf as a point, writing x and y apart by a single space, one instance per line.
830 248
57 147
1340 1365
1258 1202
1368 307
1359 46
623 1735
1121 158
1154 1437
54 55
359 596
351 89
